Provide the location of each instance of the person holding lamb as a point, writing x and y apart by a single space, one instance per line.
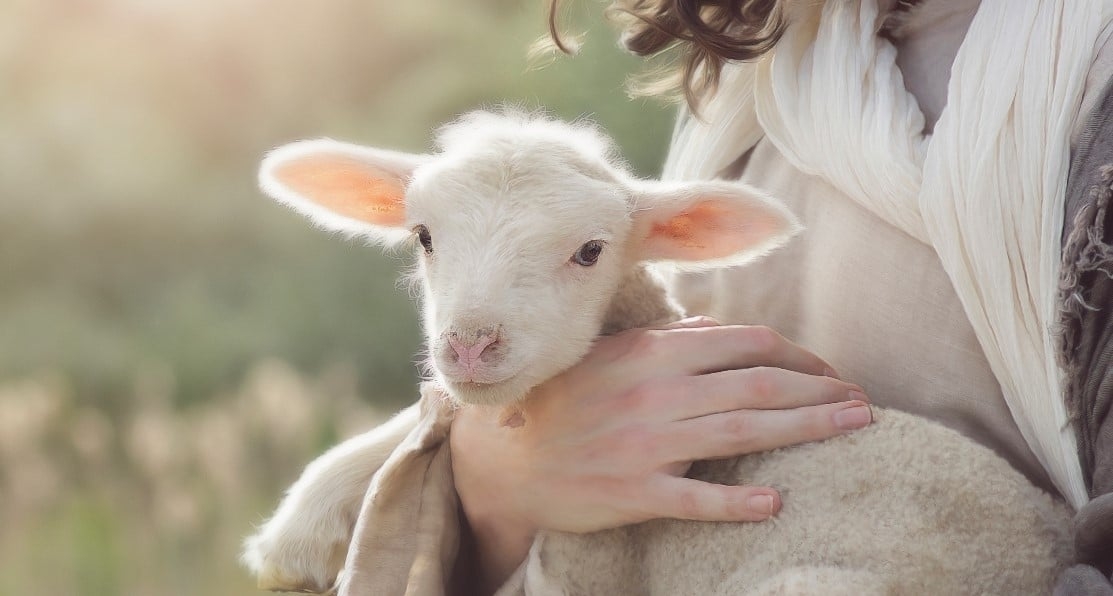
532 241
950 159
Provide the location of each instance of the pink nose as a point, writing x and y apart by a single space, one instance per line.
468 350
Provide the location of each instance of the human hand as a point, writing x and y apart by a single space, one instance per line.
607 442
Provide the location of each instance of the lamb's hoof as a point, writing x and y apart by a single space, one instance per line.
273 580
288 565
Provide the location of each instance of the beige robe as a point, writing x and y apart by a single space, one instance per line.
874 302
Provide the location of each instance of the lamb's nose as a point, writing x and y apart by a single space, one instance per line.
470 347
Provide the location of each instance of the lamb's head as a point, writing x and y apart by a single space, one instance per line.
524 227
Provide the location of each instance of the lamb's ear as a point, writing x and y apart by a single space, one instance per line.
342 187
708 224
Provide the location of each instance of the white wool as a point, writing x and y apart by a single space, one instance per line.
475 131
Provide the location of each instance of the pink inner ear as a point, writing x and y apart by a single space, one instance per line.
711 229
346 187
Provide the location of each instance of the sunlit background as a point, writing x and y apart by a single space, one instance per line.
174 347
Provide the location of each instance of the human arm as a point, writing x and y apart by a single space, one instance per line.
607 442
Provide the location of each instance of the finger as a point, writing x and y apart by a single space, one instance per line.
685 498
751 431
692 322
697 350
761 388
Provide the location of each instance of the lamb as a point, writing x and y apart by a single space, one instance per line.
534 240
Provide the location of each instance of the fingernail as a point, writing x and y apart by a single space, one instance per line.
859 395
762 504
830 372
853 418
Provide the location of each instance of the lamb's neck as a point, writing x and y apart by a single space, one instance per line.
641 301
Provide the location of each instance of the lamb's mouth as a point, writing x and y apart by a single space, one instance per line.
473 385
486 392
487 379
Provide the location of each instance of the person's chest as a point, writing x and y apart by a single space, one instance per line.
927 35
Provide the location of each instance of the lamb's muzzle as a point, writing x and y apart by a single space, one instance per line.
471 352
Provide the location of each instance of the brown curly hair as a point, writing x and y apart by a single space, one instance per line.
705 34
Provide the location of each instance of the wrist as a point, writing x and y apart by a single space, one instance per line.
501 544
498 536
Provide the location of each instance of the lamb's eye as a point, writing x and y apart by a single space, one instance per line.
588 253
425 239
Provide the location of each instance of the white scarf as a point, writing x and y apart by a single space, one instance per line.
986 190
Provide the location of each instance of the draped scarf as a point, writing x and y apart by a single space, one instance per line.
986 190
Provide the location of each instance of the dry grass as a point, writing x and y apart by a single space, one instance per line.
155 501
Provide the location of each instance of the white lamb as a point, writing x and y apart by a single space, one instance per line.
533 238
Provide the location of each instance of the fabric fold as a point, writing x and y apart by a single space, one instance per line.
408 532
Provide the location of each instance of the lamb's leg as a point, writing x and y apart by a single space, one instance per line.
302 547
813 581
607 562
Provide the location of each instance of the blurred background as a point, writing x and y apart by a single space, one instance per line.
174 348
